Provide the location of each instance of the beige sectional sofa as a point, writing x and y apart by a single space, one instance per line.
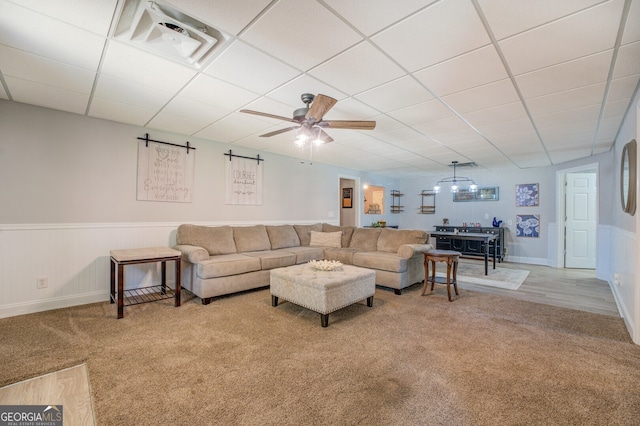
227 259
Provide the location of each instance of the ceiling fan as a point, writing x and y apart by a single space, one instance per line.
309 122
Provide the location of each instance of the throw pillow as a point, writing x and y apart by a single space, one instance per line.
326 239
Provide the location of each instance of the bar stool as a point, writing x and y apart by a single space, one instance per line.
448 256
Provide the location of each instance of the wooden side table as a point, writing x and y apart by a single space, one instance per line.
121 258
448 256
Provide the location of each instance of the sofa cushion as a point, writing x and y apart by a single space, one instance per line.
344 255
380 260
305 254
347 232
283 236
215 239
251 238
391 239
304 232
271 259
365 239
227 264
326 239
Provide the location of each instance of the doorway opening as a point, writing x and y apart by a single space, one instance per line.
577 217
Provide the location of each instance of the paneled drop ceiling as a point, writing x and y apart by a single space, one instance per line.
502 83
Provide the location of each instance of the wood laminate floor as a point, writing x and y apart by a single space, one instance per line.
68 388
569 288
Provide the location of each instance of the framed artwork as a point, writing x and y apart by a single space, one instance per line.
528 225
347 198
482 194
527 195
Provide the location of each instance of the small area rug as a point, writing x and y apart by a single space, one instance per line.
510 279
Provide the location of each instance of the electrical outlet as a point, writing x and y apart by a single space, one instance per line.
486 215
509 222
42 282
616 279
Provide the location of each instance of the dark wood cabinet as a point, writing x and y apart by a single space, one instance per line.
471 248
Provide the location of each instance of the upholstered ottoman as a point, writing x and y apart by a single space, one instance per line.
322 291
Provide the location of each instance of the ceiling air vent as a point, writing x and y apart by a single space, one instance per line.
469 164
161 29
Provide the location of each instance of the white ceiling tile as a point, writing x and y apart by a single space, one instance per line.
205 114
228 16
290 31
616 108
567 117
290 92
507 17
563 155
396 94
27 66
623 87
628 60
177 123
578 35
500 114
399 135
33 93
483 97
632 29
370 16
137 66
238 65
350 109
94 16
434 35
422 112
350 70
116 111
218 93
472 69
568 99
123 91
507 128
569 75
524 140
449 124
26 30
233 127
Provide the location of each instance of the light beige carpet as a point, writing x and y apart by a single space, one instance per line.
508 278
408 360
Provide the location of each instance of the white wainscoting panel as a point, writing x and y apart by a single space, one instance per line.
75 260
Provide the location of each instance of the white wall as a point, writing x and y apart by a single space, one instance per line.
619 231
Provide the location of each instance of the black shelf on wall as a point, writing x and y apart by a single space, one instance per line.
395 201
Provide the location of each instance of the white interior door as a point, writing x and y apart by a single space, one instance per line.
580 226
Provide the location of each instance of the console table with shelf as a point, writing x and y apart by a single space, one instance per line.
470 247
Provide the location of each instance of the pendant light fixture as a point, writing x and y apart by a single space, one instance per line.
455 181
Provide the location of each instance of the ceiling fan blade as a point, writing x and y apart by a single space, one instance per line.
265 114
319 107
348 124
277 132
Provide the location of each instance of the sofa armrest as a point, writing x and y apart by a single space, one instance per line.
407 251
191 253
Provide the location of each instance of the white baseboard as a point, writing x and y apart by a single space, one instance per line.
32 307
